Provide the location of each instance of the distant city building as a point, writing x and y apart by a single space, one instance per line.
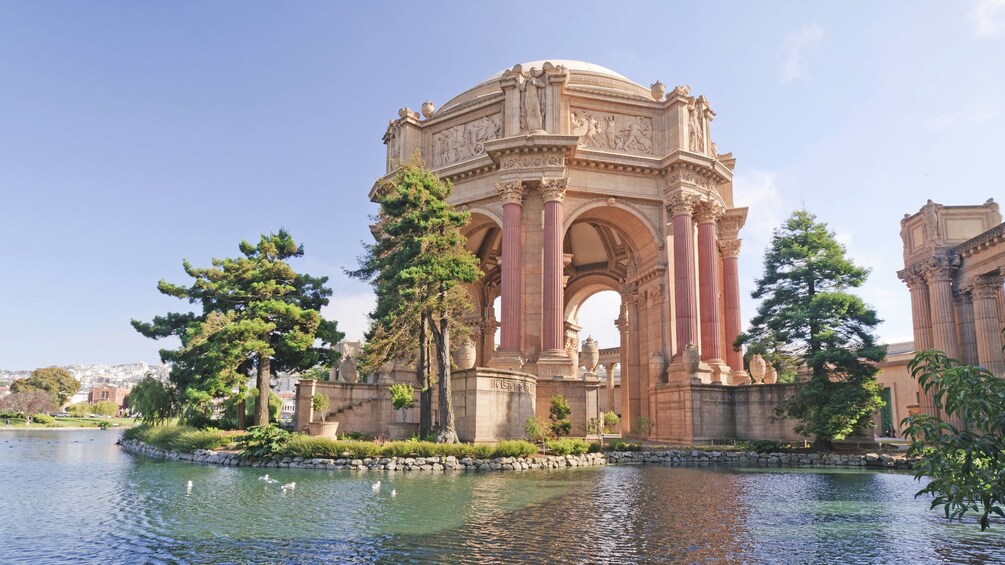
4 391
107 392
289 405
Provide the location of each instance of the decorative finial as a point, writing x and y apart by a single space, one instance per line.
658 90
427 109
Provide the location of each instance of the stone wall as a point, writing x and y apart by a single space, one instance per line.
357 407
687 413
583 397
491 404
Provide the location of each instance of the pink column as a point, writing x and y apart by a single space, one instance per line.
685 281
730 250
921 310
940 288
512 197
709 290
553 193
985 291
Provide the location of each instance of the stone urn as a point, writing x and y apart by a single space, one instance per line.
692 358
757 369
770 375
658 90
590 356
464 355
427 109
656 366
323 429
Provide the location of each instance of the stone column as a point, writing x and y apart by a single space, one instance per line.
609 371
709 289
940 290
512 199
985 291
921 309
622 325
968 337
681 207
730 250
553 194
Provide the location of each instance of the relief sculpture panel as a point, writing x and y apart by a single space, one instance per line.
465 141
614 132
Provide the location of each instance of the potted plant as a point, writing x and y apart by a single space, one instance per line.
402 398
321 404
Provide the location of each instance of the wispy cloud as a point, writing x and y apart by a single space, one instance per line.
759 191
796 47
350 311
989 16
977 114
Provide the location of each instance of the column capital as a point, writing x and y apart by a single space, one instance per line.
621 323
730 248
553 190
912 277
709 212
983 286
681 204
511 192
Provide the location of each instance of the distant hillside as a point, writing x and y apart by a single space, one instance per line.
91 375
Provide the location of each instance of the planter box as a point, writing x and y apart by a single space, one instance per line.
403 430
323 429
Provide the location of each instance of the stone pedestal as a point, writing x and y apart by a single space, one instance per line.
556 363
492 404
508 360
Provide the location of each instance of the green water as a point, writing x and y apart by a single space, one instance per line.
75 497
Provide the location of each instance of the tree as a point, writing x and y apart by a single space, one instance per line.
416 266
806 316
257 315
105 408
152 401
559 415
966 466
53 380
29 403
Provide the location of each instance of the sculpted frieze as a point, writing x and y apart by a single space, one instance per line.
615 132
690 178
465 141
531 161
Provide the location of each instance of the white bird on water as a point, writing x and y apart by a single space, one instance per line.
376 486
267 479
263 478
394 493
289 486
188 487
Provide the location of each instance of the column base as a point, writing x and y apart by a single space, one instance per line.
556 363
507 359
678 374
739 378
720 371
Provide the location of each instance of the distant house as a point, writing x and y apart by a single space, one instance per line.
4 391
108 392
289 405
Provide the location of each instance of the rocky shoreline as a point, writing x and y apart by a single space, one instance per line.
451 463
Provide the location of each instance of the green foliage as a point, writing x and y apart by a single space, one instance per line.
315 374
79 410
536 430
610 420
321 404
105 408
594 426
807 316
152 401
514 448
568 446
966 466
764 446
402 396
559 414
643 426
55 381
42 419
621 445
28 403
104 424
257 315
416 268
263 441
182 439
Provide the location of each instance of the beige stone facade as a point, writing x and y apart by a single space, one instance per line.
954 261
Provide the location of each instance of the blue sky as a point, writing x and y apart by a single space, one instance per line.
133 135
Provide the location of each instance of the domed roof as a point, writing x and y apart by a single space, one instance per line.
582 75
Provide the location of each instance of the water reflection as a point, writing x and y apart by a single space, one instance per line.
74 497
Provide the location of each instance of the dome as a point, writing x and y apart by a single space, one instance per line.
582 76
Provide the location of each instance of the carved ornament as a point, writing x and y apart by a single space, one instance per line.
730 247
553 190
615 132
465 141
532 161
511 192
681 204
984 287
709 211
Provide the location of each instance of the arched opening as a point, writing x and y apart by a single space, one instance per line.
484 239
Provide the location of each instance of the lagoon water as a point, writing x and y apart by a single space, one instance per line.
75 497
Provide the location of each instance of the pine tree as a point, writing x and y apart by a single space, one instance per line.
806 316
257 314
416 266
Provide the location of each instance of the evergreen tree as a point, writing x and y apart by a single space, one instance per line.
416 266
806 316
257 314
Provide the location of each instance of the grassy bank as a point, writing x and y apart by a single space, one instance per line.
70 423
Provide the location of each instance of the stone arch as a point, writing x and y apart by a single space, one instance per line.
620 212
484 239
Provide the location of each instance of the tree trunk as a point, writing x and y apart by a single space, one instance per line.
262 406
448 431
823 445
242 414
425 387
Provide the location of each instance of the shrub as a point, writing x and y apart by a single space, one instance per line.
595 447
402 396
79 410
263 441
594 427
536 430
300 445
621 445
559 416
104 408
568 446
321 403
104 424
610 420
176 438
514 448
42 419
764 446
